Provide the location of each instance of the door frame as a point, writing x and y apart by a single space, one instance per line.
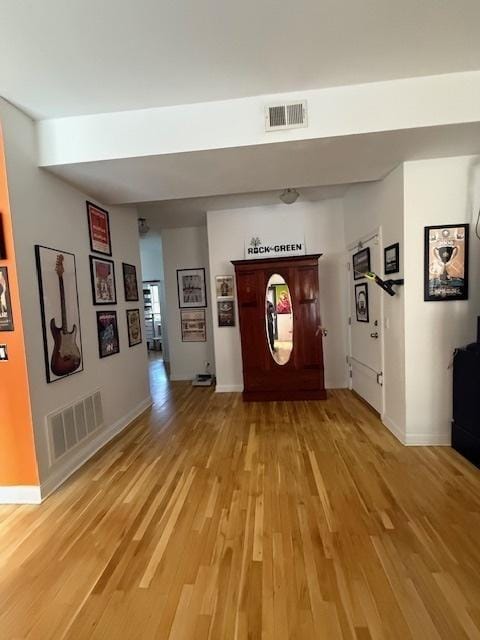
375 233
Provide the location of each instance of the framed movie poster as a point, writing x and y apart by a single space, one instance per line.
6 317
193 326
361 263
224 287
446 262
60 312
191 288
130 284
99 229
134 327
107 331
226 313
391 256
102 273
361 302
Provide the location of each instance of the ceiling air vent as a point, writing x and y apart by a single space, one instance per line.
290 115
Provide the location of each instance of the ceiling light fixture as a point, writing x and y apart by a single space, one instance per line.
289 196
143 227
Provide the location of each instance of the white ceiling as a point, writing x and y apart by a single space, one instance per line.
70 57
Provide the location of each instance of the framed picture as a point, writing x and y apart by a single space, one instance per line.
99 229
191 288
226 313
361 263
134 327
193 326
107 331
130 284
6 317
60 312
224 287
102 273
446 262
361 302
391 255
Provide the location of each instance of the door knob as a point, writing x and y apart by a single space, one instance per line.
374 335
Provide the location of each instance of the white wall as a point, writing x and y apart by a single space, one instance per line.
47 211
322 225
445 191
368 207
185 248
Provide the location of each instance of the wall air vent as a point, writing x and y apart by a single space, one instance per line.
290 115
69 426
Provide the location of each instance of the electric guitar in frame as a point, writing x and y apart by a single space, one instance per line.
66 356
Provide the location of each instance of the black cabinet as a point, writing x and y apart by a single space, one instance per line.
466 403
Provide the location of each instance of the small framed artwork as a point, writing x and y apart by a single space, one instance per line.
361 263
107 331
99 229
130 284
102 273
446 262
224 287
191 288
391 256
3 247
226 313
60 312
361 302
193 326
6 317
134 327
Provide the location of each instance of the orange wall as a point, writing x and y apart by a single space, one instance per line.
18 464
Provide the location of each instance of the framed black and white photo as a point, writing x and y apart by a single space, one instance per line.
130 284
361 302
99 229
226 313
361 263
107 331
60 312
191 288
193 326
6 316
391 256
134 327
446 262
224 287
102 273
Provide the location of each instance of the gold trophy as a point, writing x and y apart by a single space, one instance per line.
445 256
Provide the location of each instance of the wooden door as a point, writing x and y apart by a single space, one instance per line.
301 377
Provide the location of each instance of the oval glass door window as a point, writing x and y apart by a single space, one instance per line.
279 319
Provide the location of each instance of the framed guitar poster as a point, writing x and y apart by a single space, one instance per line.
60 313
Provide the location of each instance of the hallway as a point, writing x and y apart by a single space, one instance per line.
211 518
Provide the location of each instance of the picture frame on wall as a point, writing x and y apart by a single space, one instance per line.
226 313
361 302
446 262
391 259
107 332
192 291
134 327
361 263
130 284
6 315
102 274
99 229
224 287
60 312
193 325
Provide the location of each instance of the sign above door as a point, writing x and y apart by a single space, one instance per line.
266 247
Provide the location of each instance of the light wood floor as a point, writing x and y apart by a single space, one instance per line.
211 518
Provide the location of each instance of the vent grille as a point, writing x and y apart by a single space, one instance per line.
290 115
71 425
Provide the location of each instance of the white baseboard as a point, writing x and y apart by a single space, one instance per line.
80 456
393 428
21 494
181 377
229 388
439 439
